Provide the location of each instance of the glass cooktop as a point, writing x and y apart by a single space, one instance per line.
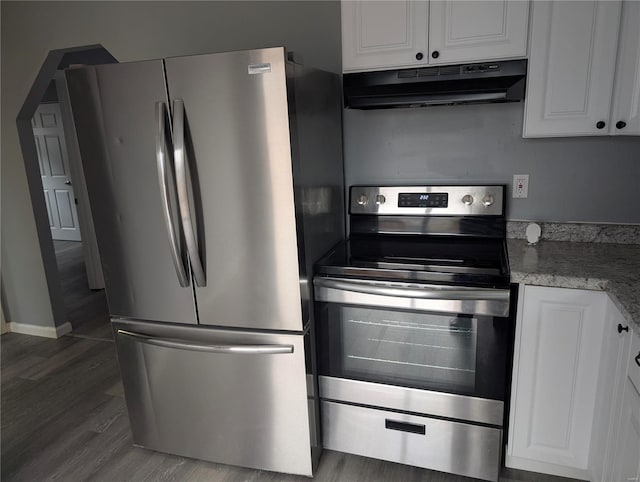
445 259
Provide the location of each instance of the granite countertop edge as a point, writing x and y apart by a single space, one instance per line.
612 268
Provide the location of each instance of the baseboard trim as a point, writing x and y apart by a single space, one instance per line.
37 330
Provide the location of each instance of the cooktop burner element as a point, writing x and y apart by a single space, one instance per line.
442 234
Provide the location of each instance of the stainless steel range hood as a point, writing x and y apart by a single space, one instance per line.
448 84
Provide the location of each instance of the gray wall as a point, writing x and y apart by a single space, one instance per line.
571 179
130 31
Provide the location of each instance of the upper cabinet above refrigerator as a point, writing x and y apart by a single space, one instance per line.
380 35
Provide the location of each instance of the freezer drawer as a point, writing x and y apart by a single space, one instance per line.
454 447
233 397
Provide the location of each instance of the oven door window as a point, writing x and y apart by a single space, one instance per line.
454 353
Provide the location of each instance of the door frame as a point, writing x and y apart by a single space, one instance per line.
85 221
55 61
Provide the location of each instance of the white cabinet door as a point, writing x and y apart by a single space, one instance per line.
380 35
557 357
611 380
625 113
571 68
626 466
626 454
467 31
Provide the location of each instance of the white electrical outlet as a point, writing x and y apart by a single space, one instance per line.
520 185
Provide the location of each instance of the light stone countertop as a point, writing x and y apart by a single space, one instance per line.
614 268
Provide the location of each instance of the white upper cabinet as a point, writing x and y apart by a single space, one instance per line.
584 69
378 35
571 68
465 31
625 114
383 34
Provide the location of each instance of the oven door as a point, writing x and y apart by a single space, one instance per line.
452 340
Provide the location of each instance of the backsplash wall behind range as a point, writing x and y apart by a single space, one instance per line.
570 179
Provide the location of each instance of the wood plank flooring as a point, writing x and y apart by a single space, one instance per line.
87 310
64 418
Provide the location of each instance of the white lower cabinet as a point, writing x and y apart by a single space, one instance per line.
625 456
575 410
616 342
556 360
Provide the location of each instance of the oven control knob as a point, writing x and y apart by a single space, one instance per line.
380 199
488 200
363 200
467 199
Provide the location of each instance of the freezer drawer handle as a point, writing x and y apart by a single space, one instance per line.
404 426
180 156
224 349
163 159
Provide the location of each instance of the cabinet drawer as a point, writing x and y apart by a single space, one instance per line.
443 445
634 362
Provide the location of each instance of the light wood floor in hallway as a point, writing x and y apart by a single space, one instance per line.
64 417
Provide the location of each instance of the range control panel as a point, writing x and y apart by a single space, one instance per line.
423 200
428 200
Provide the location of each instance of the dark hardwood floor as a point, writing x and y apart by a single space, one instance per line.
64 416
87 310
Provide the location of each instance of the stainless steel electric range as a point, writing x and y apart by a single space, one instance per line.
415 322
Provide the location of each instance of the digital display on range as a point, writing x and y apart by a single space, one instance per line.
423 200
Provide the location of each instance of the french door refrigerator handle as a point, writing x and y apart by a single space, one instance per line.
162 159
180 157
223 349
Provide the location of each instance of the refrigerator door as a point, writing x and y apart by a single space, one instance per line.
238 158
233 397
121 117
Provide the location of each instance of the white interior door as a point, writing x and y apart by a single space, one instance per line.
54 169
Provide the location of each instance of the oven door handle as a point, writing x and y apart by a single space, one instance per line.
428 292
480 301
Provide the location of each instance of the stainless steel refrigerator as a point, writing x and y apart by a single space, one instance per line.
215 182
